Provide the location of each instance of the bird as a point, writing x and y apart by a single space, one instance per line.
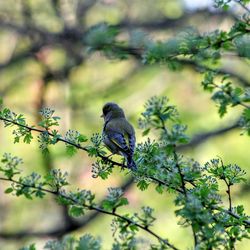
118 134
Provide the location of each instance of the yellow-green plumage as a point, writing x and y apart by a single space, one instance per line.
121 126
118 133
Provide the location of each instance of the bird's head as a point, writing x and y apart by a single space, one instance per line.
111 110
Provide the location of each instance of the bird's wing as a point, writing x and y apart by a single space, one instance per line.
121 133
131 141
120 141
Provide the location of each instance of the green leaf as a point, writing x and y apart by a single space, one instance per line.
39 194
41 124
108 205
27 138
145 132
246 114
16 139
242 44
71 150
159 189
27 195
142 185
222 110
63 201
225 7
30 247
238 91
122 201
76 211
8 190
56 118
133 227
82 138
104 175
240 209
45 151
88 242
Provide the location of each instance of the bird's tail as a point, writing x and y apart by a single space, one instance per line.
131 164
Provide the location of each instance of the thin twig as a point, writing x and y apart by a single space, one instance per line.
228 184
60 231
229 196
230 95
95 208
231 213
222 71
182 177
200 138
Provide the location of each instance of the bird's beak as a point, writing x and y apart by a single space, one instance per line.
102 116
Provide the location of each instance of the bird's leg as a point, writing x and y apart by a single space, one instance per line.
123 164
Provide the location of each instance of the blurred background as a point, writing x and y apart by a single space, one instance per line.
43 63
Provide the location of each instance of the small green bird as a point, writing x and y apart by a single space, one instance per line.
118 134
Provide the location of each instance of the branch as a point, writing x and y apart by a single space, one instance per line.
195 141
228 184
64 72
182 177
56 7
229 196
231 213
22 56
82 8
137 52
201 68
94 208
59 232
229 94
200 138
185 193
23 30
26 13
184 190
43 131
107 159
